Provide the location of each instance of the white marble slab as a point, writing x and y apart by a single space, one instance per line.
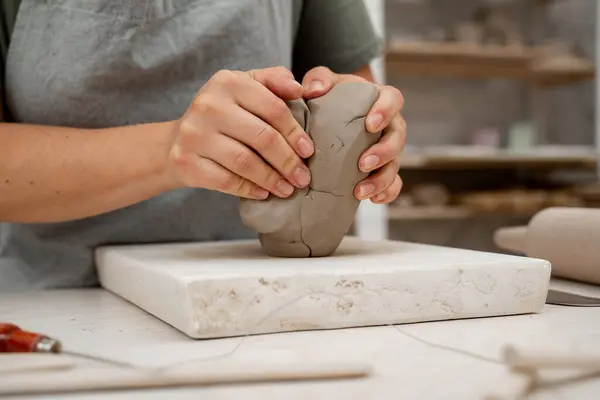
210 290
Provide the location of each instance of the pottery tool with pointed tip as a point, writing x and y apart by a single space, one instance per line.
13 339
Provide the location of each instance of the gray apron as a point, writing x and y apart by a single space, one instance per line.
105 63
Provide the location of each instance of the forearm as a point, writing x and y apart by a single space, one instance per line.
50 174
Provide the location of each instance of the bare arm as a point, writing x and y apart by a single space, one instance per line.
50 174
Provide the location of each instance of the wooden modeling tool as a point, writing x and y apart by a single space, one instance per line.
565 236
521 360
229 373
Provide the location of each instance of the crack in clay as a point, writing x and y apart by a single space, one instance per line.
324 192
302 228
342 142
302 207
353 120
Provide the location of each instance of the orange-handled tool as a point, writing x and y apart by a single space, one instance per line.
15 340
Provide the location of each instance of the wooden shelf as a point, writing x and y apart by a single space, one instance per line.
459 60
417 213
464 157
396 213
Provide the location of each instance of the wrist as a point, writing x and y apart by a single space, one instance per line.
162 171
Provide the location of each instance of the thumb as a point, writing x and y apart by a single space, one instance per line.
319 81
278 80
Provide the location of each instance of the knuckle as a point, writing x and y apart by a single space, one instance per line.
278 109
186 127
289 163
226 77
280 69
384 112
321 70
228 183
242 187
178 157
394 190
398 96
381 183
396 163
203 104
252 73
296 129
390 180
387 154
265 138
271 178
190 137
243 161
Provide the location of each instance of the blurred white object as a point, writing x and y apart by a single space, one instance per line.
371 219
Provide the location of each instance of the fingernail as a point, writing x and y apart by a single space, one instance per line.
316 86
284 188
260 193
302 177
305 147
380 197
366 190
373 121
370 162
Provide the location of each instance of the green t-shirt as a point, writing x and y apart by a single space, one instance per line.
8 14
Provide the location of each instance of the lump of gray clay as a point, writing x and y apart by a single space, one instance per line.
314 220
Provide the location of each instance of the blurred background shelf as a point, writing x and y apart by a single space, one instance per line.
436 201
457 157
396 213
460 60
500 111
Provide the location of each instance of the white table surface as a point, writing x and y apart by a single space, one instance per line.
436 360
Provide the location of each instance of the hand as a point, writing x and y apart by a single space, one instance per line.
382 160
239 137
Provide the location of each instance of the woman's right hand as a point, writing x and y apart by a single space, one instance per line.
239 137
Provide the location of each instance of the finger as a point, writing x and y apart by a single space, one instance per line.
278 80
242 161
282 138
387 149
378 181
250 130
198 137
390 194
318 81
203 172
388 105
256 98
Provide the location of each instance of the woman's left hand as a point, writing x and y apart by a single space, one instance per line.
382 160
